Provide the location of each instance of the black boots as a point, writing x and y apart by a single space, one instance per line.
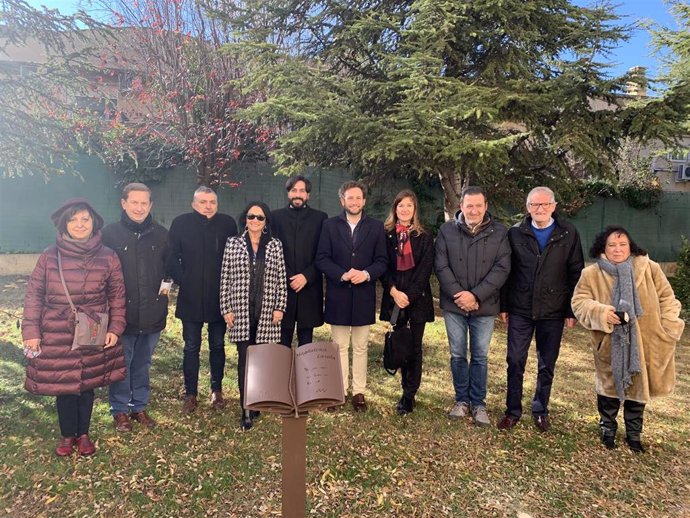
633 414
634 445
608 439
404 406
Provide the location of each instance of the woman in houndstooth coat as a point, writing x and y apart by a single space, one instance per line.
253 288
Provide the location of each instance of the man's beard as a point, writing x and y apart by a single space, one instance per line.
292 202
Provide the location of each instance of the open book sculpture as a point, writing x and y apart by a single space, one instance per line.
289 381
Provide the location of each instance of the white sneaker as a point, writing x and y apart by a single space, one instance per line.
480 416
459 410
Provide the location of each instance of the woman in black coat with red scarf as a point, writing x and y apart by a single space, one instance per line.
406 284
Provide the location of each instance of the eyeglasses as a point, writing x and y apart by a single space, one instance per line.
541 205
256 216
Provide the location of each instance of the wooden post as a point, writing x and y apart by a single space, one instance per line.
294 466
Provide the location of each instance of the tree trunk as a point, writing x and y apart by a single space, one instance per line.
206 176
452 183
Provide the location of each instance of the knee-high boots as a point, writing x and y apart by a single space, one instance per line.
633 415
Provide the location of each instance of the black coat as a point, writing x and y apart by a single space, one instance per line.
299 231
142 250
479 263
414 283
350 304
195 260
541 285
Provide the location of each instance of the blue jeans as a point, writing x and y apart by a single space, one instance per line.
132 393
469 381
191 334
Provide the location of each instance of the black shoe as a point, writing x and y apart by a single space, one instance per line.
507 422
246 422
608 440
254 414
635 446
404 406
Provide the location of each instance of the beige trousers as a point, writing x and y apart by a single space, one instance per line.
360 343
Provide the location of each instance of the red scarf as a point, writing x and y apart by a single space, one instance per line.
405 258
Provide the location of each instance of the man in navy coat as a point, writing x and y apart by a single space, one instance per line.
352 255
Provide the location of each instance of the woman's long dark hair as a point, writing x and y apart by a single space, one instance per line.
599 245
267 212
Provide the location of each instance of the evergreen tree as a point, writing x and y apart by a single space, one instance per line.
681 281
492 92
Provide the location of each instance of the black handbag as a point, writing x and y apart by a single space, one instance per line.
397 347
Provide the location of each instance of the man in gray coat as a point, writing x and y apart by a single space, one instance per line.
472 262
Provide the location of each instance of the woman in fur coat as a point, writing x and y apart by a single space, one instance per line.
627 303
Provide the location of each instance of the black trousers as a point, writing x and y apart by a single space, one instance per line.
633 415
74 413
242 361
305 335
548 337
191 334
411 373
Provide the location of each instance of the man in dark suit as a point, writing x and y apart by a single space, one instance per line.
197 242
298 227
352 255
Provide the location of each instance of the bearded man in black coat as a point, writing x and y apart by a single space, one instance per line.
197 243
298 227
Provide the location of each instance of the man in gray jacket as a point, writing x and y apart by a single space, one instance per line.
472 262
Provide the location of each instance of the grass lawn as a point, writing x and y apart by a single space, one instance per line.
373 464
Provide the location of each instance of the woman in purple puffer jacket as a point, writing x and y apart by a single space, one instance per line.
93 277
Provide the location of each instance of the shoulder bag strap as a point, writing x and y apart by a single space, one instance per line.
398 314
395 314
62 280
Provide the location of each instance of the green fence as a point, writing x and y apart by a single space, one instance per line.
658 229
26 204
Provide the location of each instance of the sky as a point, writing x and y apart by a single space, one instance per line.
632 53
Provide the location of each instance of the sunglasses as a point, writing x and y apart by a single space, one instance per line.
256 216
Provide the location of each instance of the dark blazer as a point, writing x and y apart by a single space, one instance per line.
299 231
348 304
414 283
142 250
194 262
479 263
541 285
